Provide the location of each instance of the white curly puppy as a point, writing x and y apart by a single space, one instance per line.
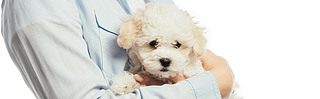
162 41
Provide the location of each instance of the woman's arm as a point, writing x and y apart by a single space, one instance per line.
219 67
45 41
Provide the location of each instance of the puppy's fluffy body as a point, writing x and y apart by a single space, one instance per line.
161 41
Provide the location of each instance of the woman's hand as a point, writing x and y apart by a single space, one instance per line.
210 62
146 80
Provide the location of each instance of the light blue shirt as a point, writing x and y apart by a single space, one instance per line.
66 49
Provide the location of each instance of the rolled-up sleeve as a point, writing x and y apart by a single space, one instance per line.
205 86
202 86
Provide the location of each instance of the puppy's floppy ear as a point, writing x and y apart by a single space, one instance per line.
200 42
128 33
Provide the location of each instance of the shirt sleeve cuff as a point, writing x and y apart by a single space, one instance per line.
205 86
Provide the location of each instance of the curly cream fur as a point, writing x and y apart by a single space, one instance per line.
167 25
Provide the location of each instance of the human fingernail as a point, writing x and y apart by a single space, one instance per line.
138 78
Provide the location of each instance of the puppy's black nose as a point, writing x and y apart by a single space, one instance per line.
165 62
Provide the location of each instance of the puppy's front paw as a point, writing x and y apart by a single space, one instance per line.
124 84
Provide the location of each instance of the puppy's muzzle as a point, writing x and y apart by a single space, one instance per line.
165 62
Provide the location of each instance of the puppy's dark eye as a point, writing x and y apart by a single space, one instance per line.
177 45
153 43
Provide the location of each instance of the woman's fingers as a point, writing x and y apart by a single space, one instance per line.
177 78
146 80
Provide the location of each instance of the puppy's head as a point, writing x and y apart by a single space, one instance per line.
164 38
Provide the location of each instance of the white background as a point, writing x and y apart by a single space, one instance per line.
273 47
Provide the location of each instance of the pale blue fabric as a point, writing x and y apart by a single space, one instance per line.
66 49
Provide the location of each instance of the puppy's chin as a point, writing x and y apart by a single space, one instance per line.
163 73
155 68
